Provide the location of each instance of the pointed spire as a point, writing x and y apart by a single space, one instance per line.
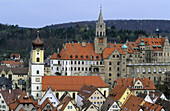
100 19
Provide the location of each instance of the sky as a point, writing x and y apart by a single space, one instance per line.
39 13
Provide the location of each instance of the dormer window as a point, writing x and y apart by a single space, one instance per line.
71 56
76 56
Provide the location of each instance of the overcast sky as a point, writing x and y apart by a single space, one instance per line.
39 13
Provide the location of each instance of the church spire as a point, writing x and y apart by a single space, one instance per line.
100 19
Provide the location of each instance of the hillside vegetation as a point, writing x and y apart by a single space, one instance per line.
14 39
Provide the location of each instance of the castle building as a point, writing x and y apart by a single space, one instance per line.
147 57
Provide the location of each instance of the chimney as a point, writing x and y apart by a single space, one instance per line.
58 51
64 46
9 91
72 43
83 44
133 80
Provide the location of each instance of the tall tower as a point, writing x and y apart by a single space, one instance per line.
100 41
37 67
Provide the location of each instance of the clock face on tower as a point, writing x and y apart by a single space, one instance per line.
101 40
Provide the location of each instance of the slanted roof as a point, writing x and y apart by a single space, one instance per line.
71 83
132 104
129 82
65 102
47 101
15 55
108 103
75 51
54 56
86 91
151 42
150 107
15 70
117 92
10 94
87 104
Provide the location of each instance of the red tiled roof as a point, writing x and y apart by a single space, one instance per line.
71 83
16 55
12 63
109 50
79 52
149 106
132 104
64 103
117 92
46 101
119 47
129 82
133 45
152 41
54 56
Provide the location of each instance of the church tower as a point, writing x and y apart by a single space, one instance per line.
100 41
37 67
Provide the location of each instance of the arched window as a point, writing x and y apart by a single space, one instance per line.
118 75
154 70
138 70
76 56
38 59
143 70
74 96
149 70
37 88
165 69
37 95
38 72
160 70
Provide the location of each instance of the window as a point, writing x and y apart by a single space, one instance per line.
78 62
74 62
37 88
118 63
154 70
37 71
143 70
118 75
91 97
81 56
117 68
87 56
165 69
160 70
97 97
83 62
110 68
74 68
71 62
71 56
37 95
117 56
57 95
110 74
149 70
37 79
105 93
97 57
74 96
138 71
94 97
76 56
69 107
110 63
113 56
38 59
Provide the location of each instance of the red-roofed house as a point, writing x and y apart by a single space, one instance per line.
137 85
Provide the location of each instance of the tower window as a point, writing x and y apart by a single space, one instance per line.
37 71
100 26
100 33
37 95
38 59
37 88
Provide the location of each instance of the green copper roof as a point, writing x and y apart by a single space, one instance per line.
124 46
142 42
157 29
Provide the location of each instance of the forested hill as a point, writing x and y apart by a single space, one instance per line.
14 39
148 26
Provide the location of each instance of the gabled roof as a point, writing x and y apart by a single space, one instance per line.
47 101
10 94
132 104
75 51
87 104
108 103
71 83
24 98
109 50
117 92
16 70
86 91
65 102
129 82
54 56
